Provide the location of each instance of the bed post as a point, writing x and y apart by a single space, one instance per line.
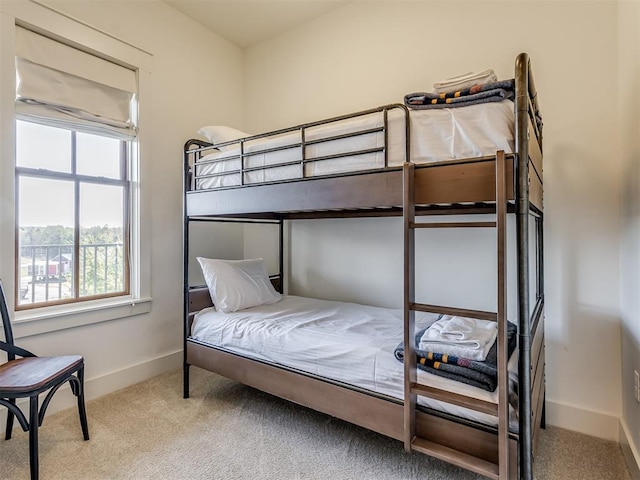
522 232
281 253
540 245
410 361
185 272
501 317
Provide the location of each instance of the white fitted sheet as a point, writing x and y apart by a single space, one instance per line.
436 135
345 342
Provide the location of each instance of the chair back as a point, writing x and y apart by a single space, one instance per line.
6 322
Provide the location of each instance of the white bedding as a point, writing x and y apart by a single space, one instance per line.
436 135
346 342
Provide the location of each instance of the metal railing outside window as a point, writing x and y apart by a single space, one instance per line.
46 271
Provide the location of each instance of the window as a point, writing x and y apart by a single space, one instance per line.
72 212
75 138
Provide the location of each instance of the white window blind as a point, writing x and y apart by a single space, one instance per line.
66 87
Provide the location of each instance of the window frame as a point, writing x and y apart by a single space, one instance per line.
92 40
78 179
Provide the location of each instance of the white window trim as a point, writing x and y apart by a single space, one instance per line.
52 318
60 317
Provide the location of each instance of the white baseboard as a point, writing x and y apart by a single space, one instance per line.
110 382
589 422
97 387
629 450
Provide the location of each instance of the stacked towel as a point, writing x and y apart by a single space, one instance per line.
462 82
487 92
481 374
460 336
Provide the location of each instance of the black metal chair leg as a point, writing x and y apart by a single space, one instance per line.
81 408
33 437
10 416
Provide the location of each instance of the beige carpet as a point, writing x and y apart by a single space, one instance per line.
228 431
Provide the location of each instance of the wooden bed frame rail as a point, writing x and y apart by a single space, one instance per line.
500 184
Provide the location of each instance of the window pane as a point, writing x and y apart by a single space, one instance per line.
98 156
72 241
102 220
45 220
39 146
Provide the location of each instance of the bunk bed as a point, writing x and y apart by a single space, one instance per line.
306 172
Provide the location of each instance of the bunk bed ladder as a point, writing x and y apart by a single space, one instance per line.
497 468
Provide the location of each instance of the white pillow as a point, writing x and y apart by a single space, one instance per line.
238 284
221 133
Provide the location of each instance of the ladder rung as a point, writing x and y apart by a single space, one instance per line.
483 406
453 225
460 312
461 459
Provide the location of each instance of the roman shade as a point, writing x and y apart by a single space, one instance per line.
62 86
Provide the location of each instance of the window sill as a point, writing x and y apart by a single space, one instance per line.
51 319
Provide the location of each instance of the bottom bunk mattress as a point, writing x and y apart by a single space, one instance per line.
344 342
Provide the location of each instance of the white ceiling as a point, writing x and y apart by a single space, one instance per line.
247 22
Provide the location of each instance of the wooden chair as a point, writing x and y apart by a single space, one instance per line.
28 377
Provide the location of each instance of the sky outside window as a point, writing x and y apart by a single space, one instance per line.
98 156
44 201
39 146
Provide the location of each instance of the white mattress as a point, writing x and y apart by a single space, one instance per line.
436 135
345 342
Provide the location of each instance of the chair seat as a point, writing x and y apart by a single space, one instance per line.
25 375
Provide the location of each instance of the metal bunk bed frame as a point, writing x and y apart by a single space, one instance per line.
498 184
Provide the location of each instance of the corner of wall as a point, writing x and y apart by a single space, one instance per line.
629 121
589 422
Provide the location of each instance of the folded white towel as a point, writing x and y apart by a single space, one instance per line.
466 80
460 336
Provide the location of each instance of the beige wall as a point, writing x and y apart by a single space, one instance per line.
629 102
196 79
371 53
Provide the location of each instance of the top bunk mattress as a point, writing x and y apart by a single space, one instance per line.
337 147
345 342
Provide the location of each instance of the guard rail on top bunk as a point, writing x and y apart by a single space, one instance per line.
262 199
448 186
